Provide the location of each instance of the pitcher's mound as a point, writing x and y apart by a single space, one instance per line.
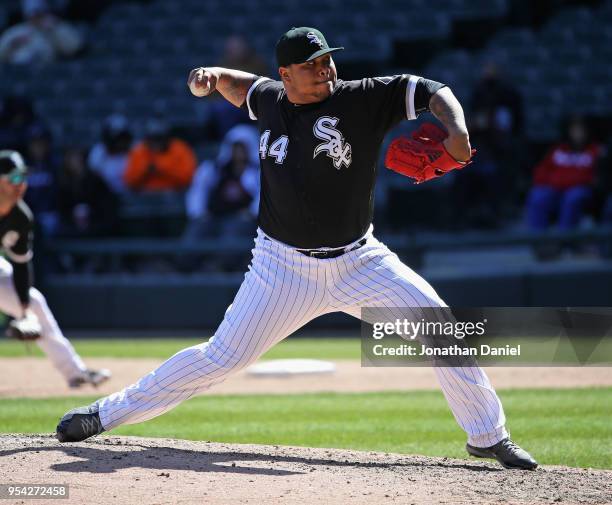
143 470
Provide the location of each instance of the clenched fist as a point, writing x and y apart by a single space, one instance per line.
202 81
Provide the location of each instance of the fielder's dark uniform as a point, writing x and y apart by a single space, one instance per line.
16 240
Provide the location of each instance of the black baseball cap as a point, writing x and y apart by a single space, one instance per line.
300 45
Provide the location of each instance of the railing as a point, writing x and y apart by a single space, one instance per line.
412 248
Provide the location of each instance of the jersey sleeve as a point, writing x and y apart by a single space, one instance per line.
22 281
17 243
395 98
260 90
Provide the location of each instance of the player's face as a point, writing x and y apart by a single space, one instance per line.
309 82
10 192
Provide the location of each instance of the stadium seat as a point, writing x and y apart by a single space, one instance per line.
571 54
480 9
570 17
595 74
513 37
132 43
528 56
555 38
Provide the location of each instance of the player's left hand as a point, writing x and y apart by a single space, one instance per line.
424 156
27 328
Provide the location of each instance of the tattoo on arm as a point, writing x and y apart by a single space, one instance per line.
234 85
448 110
233 91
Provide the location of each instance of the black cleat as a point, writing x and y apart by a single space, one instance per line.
79 424
507 453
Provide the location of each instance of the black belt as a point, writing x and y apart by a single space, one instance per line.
331 253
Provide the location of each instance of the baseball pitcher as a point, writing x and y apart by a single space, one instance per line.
314 252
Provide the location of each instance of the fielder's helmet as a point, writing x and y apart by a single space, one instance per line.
13 166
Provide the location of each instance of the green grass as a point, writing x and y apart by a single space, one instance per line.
565 427
312 348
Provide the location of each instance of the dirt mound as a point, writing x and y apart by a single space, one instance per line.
142 470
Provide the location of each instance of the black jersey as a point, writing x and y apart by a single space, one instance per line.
318 161
16 240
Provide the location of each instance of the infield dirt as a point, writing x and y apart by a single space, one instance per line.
128 470
36 378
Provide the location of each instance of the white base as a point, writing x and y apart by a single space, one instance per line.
284 367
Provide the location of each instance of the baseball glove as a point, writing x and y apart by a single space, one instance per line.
26 329
422 157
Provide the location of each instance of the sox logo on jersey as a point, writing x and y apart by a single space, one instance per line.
334 144
10 238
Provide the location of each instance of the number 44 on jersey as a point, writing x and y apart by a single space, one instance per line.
278 149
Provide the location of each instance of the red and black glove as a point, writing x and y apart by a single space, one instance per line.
422 157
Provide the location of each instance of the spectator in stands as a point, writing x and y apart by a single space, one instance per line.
160 162
87 205
496 129
603 191
222 116
41 38
563 181
496 123
16 117
43 164
108 158
476 192
238 54
496 110
224 197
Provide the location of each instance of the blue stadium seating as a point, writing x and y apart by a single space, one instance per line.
140 52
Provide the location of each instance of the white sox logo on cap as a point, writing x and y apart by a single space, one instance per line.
334 143
314 39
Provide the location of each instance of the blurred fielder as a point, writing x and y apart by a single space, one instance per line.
33 321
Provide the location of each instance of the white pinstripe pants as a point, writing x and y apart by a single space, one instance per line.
282 291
